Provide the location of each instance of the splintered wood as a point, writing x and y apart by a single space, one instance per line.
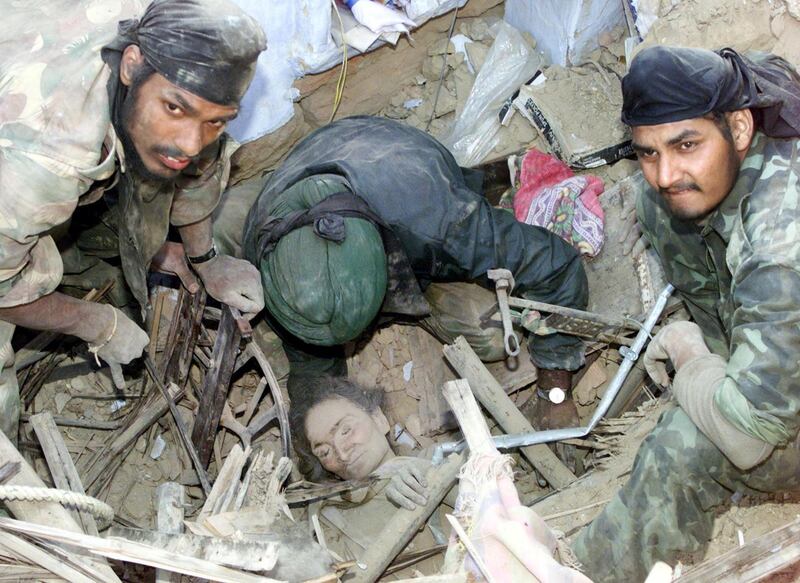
498 539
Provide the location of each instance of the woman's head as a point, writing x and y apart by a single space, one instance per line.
339 427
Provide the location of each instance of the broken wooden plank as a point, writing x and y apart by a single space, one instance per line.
170 498
37 556
227 483
769 554
182 337
404 524
134 552
216 385
41 512
65 476
250 554
491 395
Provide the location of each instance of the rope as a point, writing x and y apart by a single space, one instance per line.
337 98
82 502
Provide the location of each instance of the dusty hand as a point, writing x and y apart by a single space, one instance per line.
119 339
679 342
171 258
407 486
379 18
232 281
631 237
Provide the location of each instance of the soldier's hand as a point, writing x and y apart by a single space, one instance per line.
232 281
678 342
171 258
119 339
631 237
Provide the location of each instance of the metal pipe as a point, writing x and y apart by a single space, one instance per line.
629 358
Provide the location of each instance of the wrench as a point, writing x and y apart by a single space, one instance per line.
504 284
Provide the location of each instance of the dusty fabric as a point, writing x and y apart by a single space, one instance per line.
551 196
694 388
448 232
667 506
208 47
9 389
668 84
459 309
738 274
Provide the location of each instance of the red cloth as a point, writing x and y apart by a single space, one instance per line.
551 196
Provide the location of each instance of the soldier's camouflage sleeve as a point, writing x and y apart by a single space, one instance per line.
761 391
54 119
749 309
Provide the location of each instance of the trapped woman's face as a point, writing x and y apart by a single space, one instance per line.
347 440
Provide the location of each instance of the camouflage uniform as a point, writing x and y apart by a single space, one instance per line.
58 148
739 274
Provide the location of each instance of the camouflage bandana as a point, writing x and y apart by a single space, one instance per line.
669 84
207 47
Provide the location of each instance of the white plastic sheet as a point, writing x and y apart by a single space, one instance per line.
510 62
566 31
299 42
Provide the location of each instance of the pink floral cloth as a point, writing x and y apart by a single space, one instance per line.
551 196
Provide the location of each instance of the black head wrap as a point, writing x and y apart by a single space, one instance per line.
208 47
668 84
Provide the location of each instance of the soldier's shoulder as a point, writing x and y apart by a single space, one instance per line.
771 213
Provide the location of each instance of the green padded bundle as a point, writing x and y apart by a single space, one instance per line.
323 292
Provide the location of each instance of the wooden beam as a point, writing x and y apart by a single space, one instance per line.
216 385
65 476
134 552
38 556
170 499
777 552
404 524
491 395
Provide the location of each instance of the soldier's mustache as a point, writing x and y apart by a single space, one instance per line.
174 153
675 188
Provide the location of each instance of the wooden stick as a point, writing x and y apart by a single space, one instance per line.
65 476
768 554
34 554
491 395
277 395
404 524
181 428
169 502
216 386
136 553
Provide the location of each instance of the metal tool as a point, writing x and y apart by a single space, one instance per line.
629 358
504 283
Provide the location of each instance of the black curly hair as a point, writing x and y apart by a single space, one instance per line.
313 393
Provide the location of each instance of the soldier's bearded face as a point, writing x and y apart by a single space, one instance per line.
169 127
691 163
347 440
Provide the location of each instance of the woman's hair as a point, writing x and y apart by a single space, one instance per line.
313 393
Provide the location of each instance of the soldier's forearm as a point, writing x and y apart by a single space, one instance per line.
196 237
59 312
